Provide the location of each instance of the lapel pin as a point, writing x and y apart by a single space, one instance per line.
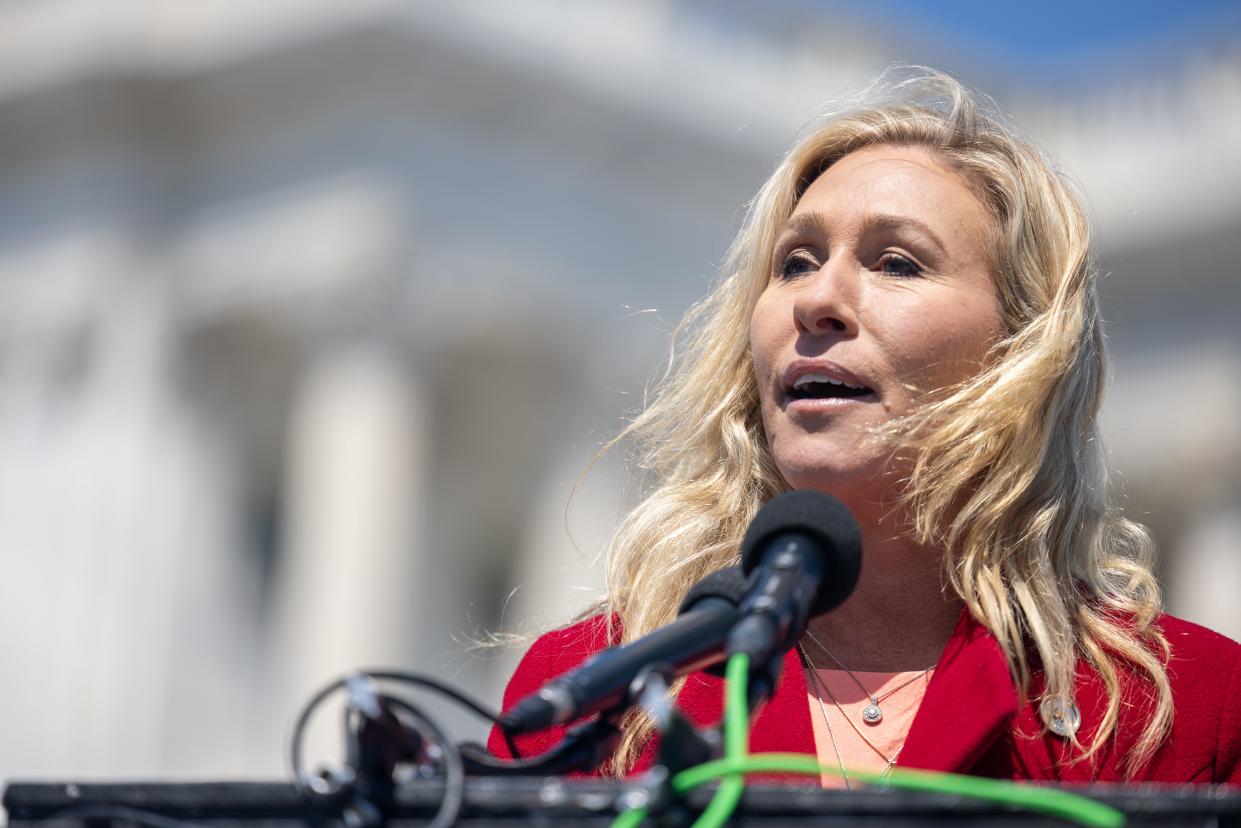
1060 715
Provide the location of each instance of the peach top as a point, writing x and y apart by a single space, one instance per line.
887 736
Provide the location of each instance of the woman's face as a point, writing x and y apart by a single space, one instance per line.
880 294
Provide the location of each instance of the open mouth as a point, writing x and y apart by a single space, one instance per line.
822 387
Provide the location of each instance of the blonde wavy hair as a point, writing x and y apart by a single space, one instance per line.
1008 474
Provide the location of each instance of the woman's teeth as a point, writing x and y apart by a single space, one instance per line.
815 386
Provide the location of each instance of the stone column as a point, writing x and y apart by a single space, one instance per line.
349 569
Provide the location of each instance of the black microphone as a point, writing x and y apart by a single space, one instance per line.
693 641
803 553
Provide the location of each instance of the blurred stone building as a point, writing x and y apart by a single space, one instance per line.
311 313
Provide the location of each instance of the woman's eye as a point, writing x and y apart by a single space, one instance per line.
896 265
797 263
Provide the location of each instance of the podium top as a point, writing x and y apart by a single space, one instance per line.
556 801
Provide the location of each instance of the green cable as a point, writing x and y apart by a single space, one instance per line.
738 761
1079 809
631 818
736 707
736 750
736 744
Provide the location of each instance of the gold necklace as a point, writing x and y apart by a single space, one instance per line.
872 714
827 721
820 685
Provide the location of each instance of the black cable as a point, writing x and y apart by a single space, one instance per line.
414 679
436 685
303 718
453 693
508 740
300 777
454 790
454 767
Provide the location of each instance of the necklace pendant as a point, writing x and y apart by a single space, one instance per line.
871 714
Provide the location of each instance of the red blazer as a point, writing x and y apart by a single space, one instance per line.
970 720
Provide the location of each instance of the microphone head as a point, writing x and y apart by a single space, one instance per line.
728 583
830 526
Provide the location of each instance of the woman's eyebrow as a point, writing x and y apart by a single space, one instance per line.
804 224
887 221
816 223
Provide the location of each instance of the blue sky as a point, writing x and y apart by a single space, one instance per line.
1051 32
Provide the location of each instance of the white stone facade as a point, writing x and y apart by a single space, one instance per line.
311 312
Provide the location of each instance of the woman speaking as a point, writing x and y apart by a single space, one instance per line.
908 321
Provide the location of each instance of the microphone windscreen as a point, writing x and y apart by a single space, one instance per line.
728 583
828 524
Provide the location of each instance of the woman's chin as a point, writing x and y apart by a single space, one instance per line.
855 485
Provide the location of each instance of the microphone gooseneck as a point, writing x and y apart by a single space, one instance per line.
693 641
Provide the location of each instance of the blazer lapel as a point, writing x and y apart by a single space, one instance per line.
970 702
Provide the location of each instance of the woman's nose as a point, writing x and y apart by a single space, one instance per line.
827 301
